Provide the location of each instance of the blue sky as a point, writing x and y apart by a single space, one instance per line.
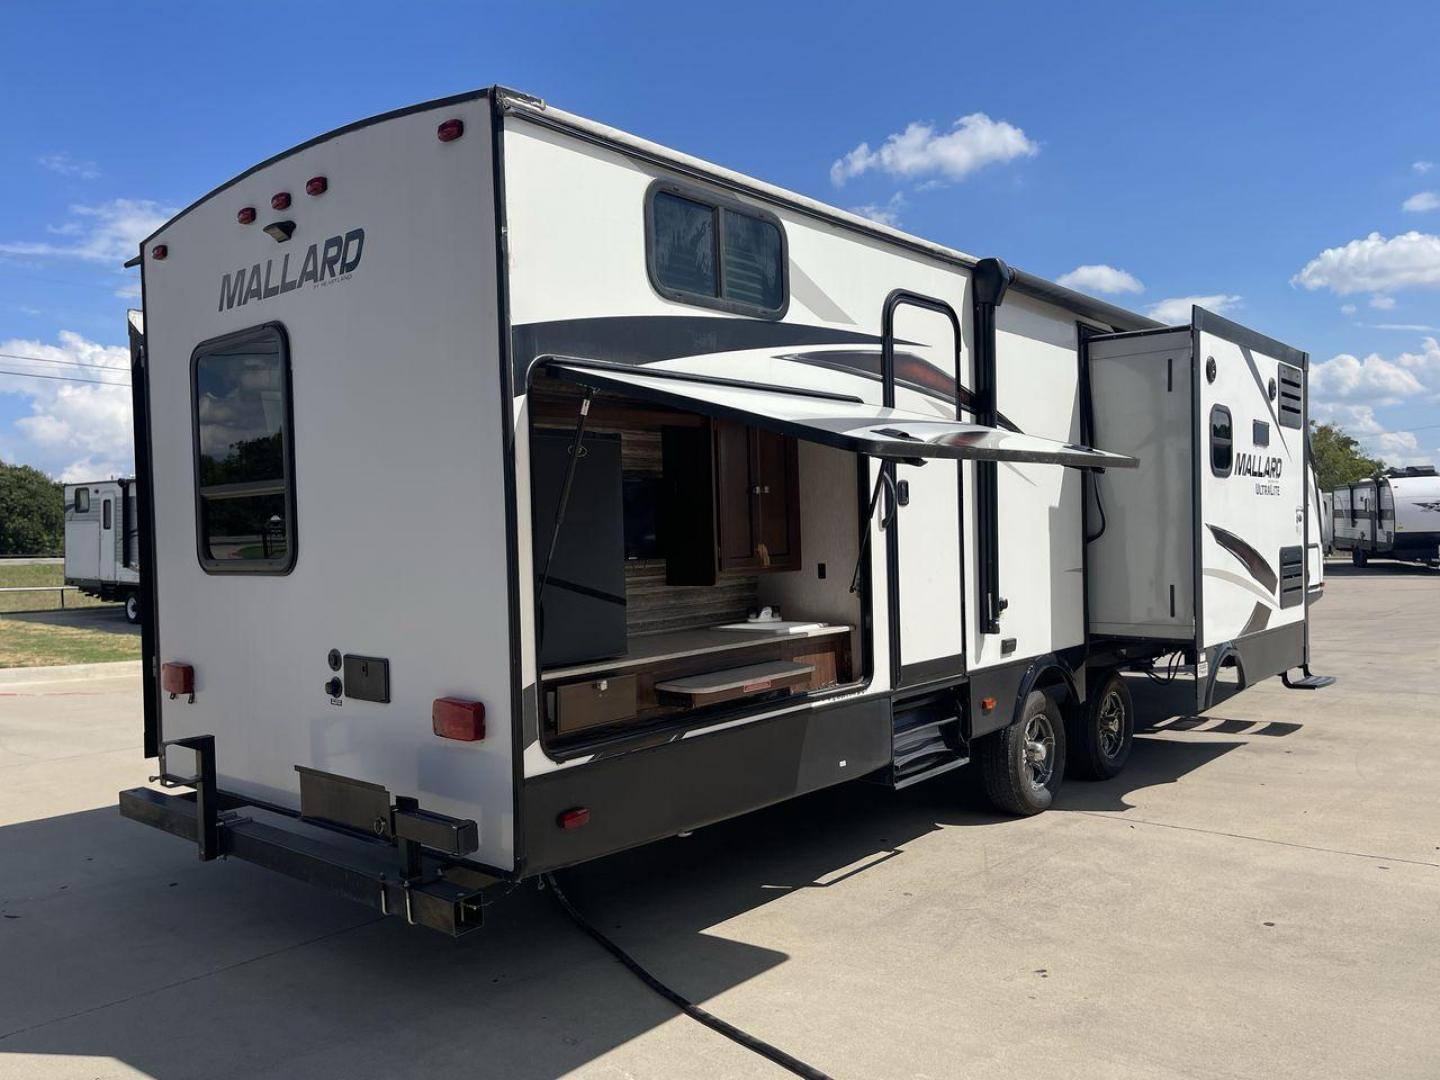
1281 159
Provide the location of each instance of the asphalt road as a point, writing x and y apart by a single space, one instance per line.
1256 896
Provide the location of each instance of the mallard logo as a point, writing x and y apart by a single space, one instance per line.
1433 507
1265 468
322 264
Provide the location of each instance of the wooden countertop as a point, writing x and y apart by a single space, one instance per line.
678 644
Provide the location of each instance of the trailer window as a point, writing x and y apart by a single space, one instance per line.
243 455
82 500
105 514
1222 441
710 251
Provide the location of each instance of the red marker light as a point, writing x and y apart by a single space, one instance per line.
246 216
177 679
280 201
574 818
316 185
450 130
159 251
456 718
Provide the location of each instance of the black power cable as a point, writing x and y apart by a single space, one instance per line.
689 1008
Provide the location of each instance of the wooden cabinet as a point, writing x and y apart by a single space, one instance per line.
732 503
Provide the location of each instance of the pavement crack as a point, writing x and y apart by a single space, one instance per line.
1255 839
193 978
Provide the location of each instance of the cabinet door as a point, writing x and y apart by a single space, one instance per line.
773 474
734 524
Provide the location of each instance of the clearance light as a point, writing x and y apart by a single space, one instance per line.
177 679
457 718
316 185
450 130
280 201
574 817
988 704
159 251
246 216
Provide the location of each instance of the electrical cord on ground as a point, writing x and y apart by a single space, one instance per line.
714 1023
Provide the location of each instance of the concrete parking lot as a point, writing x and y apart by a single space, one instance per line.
1257 896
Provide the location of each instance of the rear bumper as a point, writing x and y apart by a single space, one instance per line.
397 873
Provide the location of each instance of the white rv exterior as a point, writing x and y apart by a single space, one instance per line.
102 541
417 343
1393 516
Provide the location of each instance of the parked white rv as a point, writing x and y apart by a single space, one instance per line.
1392 516
519 491
102 541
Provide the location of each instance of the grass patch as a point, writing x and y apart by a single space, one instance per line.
31 576
31 644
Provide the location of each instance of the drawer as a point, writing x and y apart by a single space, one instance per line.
588 704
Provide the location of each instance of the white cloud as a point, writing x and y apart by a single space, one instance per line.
886 213
75 431
1375 264
1382 303
1348 309
108 233
1413 328
1373 379
1177 309
1422 166
972 142
66 165
1097 277
1421 202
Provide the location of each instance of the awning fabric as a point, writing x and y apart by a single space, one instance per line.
838 420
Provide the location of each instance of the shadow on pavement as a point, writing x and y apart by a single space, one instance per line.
109 618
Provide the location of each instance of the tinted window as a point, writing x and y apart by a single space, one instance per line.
716 254
684 238
1222 441
242 419
753 256
105 514
82 500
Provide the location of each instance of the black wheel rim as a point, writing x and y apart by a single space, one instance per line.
1111 724
1039 751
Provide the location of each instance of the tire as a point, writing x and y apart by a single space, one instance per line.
1016 781
132 608
1102 733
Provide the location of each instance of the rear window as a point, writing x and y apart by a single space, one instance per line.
244 472
715 252
82 500
1222 441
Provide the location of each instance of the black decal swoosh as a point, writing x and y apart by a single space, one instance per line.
644 339
1259 619
1251 559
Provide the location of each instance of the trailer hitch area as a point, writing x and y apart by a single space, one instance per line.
426 886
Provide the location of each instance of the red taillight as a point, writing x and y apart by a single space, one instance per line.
176 679
988 704
450 130
574 817
280 201
246 216
316 185
456 718
159 251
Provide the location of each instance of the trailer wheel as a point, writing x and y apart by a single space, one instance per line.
132 608
1022 764
1103 732
1358 556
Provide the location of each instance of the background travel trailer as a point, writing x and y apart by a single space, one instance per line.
473 436
1392 516
102 541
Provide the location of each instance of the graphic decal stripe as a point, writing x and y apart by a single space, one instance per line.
1259 619
1251 559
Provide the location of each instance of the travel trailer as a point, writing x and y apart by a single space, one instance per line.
102 541
519 491
1392 516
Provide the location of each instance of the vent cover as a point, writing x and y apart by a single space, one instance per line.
1291 406
1292 575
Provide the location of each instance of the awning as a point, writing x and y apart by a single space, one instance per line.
839 420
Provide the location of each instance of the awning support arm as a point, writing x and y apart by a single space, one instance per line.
575 451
